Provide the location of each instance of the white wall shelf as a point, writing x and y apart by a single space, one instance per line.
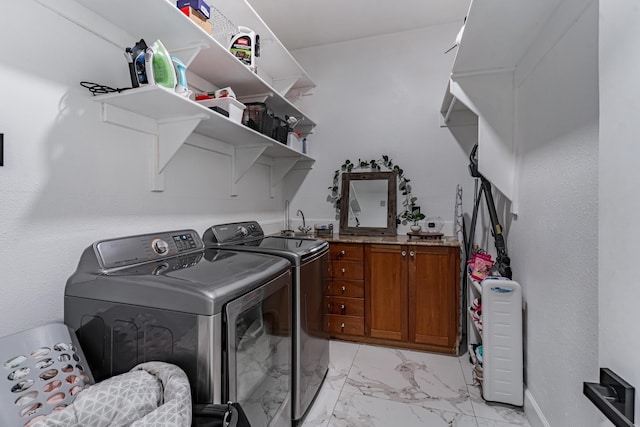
203 54
497 36
287 74
454 112
172 118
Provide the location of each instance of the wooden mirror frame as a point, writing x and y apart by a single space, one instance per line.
390 229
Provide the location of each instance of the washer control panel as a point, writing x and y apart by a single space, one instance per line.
186 241
131 250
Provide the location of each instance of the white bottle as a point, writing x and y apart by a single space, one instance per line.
245 45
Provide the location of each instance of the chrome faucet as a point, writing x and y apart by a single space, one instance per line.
303 228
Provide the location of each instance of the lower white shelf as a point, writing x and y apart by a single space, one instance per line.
172 118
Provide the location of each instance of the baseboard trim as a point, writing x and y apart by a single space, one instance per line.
534 413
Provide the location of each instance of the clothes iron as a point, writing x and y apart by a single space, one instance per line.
181 74
150 65
136 58
159 67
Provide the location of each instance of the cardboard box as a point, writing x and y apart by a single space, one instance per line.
195 17
199 6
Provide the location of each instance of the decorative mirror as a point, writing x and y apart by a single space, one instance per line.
368 204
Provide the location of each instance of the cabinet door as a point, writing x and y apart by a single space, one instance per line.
434 294
386 292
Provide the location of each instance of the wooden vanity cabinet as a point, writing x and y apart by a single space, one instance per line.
411 295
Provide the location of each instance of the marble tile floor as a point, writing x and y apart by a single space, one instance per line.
371 386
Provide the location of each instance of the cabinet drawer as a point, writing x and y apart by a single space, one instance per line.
346 270
346 252
345 306
349 325
346 288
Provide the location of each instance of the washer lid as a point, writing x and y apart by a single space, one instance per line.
289 247
199 282
249 236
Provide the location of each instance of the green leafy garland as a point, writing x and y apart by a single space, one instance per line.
410 211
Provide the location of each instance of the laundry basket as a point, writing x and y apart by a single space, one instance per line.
42 370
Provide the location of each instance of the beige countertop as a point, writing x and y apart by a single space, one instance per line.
391 240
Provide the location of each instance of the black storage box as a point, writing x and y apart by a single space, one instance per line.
258 117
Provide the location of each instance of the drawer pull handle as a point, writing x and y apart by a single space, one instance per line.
344 288
344 270
412 253
342 326
343 309
404 253
342 252
329 306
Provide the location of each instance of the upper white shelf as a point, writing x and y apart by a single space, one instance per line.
203 54
498 33
222 69
498 36
275 59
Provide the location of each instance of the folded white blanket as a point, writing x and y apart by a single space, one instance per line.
151 394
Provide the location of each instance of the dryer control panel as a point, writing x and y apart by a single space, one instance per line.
125 251
236 233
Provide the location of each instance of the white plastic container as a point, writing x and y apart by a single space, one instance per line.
295 142
502 341
234 107
245 45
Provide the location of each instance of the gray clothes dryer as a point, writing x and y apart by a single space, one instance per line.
222 316
309 258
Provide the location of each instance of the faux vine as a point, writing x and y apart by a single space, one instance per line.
410 212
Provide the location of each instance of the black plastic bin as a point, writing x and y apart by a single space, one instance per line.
258 117
280 130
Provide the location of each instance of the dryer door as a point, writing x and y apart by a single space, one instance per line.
258 327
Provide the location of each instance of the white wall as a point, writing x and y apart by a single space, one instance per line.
553 242
70 179
619 191
382 95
